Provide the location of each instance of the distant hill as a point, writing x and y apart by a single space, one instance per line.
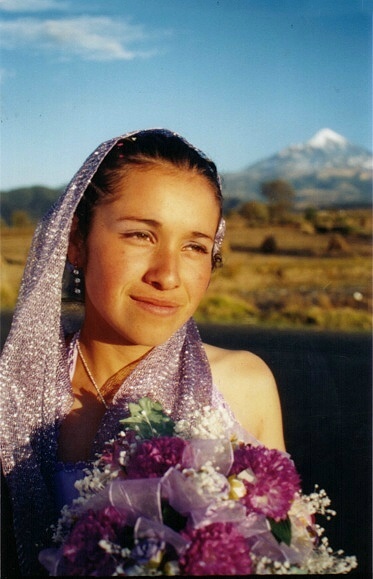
34 200
327 170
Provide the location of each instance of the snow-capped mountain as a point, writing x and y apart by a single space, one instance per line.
327 138
325 170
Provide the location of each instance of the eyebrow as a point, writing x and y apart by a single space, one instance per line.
155 223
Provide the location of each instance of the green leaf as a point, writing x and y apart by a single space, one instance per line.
281 530
148 419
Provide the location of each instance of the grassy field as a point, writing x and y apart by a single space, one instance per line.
307 279
14 245
310 280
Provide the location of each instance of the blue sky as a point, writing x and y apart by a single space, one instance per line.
241 79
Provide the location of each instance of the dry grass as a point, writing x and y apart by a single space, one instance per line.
15 244
303 284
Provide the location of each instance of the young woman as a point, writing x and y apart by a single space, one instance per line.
141 225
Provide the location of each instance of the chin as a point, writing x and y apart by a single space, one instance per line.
152 340
153 336
121 337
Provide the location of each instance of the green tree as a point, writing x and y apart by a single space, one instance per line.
280 195
310 214
255 212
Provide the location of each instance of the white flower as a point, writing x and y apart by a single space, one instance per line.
318 502
209 483
210 423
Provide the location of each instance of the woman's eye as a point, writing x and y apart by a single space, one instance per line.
137 235
197 248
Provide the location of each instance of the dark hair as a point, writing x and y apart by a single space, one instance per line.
143 148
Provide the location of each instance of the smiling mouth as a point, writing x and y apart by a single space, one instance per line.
155 306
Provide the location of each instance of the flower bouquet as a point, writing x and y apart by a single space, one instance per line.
191 498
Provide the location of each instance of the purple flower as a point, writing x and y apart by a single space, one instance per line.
153 458
216 549
274 480
82 554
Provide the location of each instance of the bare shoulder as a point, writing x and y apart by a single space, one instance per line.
248 385
238 364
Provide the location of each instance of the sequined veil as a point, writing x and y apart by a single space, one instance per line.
36 392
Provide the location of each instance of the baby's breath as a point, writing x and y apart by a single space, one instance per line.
210 423
208 482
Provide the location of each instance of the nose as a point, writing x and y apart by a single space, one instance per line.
163 271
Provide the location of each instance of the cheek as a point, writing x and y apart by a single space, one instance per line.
102 269
111 272
200 281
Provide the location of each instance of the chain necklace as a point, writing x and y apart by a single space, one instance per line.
90 375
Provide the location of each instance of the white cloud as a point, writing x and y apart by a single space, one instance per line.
91 38
32 5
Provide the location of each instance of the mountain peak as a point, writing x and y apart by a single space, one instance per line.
326 170
326 137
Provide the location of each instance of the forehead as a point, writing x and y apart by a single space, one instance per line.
178 199
154 182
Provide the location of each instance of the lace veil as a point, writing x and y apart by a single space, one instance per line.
35 387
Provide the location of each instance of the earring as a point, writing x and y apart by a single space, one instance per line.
77 281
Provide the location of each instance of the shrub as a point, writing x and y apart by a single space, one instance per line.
269 244
255 212
310 214
338 244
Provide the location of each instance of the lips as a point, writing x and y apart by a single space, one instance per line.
153 305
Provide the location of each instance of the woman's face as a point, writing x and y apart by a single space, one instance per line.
147 258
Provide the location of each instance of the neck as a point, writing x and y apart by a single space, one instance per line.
105 359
